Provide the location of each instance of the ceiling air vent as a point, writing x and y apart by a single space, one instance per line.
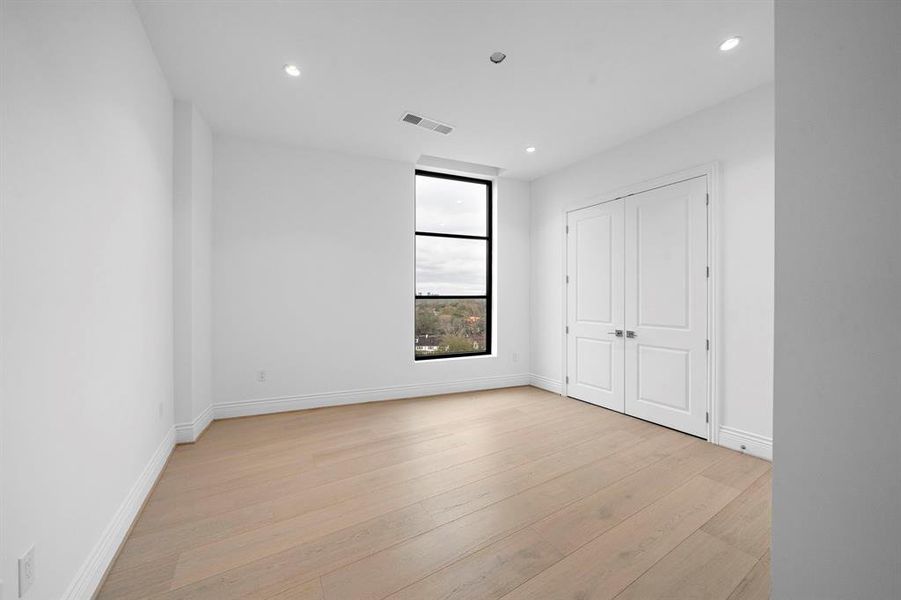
426 123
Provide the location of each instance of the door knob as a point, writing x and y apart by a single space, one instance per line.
616 332
631 334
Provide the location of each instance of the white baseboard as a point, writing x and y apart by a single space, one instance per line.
743 441
187 433
546 383
91 573
262 406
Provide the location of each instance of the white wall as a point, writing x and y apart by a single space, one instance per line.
837 469
738 134
313 281
193 182
86 267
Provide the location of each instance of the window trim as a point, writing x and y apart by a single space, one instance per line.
489 260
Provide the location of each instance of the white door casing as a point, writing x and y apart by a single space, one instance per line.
666 305
595 305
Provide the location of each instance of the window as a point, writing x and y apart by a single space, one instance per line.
453 266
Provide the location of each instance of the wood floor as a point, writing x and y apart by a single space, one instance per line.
513 494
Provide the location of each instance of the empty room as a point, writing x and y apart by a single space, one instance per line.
450 300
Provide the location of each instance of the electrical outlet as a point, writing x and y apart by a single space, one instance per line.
26 572
261 376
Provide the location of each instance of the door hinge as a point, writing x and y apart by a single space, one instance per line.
708 344
567 329
567 229
567 279
567 379
707 420
708 200
708 272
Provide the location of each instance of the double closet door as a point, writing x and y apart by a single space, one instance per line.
637 305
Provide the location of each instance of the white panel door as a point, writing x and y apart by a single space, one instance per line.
666 306
595 309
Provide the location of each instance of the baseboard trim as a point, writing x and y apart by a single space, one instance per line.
262 406
546 383
187 433
744 441
93 570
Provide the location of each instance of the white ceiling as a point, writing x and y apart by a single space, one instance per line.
579 76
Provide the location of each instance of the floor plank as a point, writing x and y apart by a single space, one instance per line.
586 519
489 573
358 495
745 522
513 493
311 590
756 584
604 567
387 571
442 507
700 567
267 482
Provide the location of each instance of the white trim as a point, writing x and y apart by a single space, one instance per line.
564 286
755 445
554 386
262 406
448 165
92 571
712 172
714 310
187 433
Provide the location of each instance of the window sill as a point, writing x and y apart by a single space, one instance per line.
432 359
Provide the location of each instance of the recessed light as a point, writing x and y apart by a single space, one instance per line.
292 70
497 57
530 149
730 44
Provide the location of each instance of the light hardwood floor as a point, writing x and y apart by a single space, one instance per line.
512 494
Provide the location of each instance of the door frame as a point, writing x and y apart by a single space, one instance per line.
710 170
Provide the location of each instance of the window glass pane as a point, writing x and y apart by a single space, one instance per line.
450 326
450 266
450 206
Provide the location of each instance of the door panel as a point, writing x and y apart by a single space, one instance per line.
665 376
593 284
666 306
661 258
595 305
594 363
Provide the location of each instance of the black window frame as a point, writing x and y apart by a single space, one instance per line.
489 240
